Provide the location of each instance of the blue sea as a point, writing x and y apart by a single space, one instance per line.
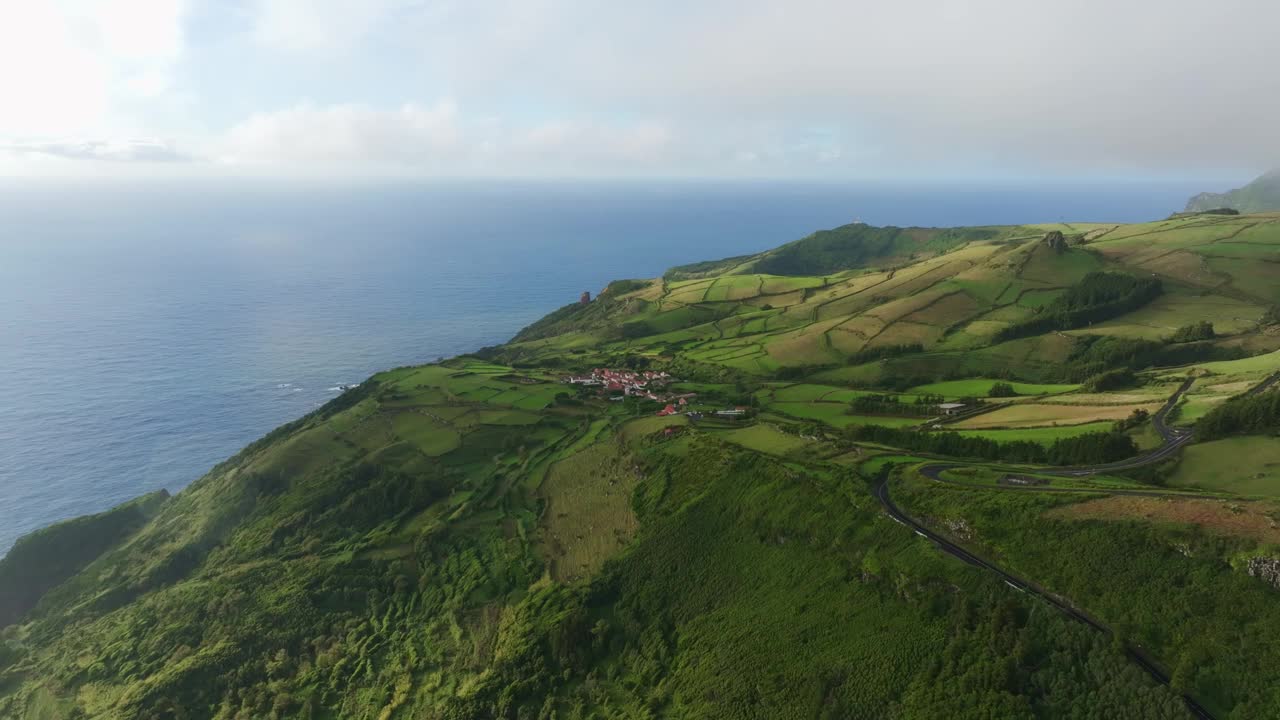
149 331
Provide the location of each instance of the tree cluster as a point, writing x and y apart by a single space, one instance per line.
1002 390
1242 415
1110 380
925 405
881 352
1098 296
1087 449
1202 330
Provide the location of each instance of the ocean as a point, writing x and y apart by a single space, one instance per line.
148 331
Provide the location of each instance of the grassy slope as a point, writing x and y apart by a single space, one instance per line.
468 539
951 300
1245 465
44 559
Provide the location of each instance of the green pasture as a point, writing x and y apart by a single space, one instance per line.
764 438
1246 465
1042 435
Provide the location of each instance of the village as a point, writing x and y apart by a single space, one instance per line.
647 384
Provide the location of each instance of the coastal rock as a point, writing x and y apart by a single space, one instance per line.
1055 240
1266 569
959 527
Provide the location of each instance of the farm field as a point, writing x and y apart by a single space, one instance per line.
1043 435
764 438
588 515
1029 415
1245 465
1219 517
839 415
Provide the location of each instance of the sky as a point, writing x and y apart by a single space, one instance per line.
815 89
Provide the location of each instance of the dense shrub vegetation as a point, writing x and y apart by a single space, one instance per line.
1165 587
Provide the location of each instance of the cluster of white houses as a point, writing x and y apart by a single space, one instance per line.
642 384
629 382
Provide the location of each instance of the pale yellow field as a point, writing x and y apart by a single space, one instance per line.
1230 388
896 309
1104 399
1025 415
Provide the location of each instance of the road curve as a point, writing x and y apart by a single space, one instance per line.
1174 439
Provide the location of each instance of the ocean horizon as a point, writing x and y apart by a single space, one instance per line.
151 331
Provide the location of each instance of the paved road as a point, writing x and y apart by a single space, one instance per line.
1174 439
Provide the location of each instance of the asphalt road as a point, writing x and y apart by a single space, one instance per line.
1174 439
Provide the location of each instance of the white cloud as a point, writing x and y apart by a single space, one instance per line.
66 65
132 150
436 139
832 87
321 25
1093 86
344 135
584 142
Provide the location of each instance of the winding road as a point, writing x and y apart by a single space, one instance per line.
1174 439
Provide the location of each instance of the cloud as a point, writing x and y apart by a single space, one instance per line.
68 66
343 135
136 150
831 88
1092 86
322 25
436 139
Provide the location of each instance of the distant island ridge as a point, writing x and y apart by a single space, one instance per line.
1261 195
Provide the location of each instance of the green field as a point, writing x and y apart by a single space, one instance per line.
1042 435
588 516
1245 465
764 438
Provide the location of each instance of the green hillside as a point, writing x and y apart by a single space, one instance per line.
481 538
44 559
1261 195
